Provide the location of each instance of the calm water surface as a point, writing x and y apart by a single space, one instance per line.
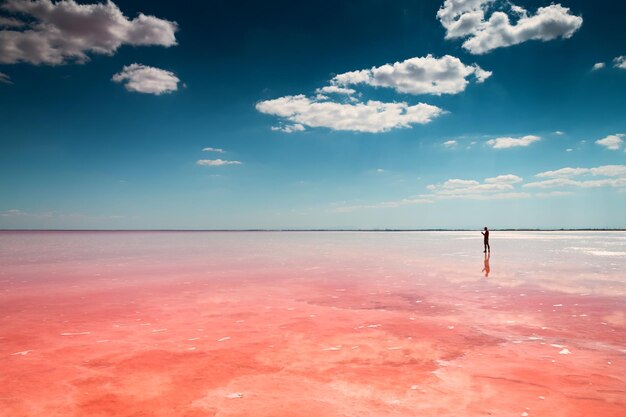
312 324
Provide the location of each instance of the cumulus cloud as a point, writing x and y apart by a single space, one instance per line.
148 80
54 33
598 66
216 162
612 142
217 150
450 143
371 116
468 19
620 62
425 75
5 79
508 142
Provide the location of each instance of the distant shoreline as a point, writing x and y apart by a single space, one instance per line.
310 230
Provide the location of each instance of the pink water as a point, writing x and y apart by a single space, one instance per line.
312 324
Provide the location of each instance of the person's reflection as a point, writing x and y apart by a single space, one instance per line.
486 269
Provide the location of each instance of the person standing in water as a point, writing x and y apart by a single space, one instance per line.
486 240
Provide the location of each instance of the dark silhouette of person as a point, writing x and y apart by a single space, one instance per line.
487 269
486 240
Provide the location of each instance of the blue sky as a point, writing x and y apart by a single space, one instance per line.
368 114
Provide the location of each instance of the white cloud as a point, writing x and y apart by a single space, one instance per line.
555 182
609 170
467 19
371 116
508 142
568 182
13 213
450 143
598 66
620 62
426 75
149 80
216 162
5 79
296 127
55 33
559 132
563 177
52 215
604 170
455 183
494 188
568 150
563 173
217 150
504 187
504 179
385 204
612 142
500 187
333 89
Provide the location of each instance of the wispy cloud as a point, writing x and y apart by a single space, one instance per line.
54 33
620 62
569 177
148 80
604 170
507 187
216 150
508 142
450 144
500 187
567 182
216 162
385 204
333 89
467 19
289 128
53 215
5 79
504 179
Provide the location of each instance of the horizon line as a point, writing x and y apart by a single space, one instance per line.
525 229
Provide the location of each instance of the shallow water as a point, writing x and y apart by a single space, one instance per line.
312 324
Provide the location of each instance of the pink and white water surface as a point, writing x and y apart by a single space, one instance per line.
312 324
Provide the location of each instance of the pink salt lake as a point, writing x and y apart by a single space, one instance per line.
312 324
